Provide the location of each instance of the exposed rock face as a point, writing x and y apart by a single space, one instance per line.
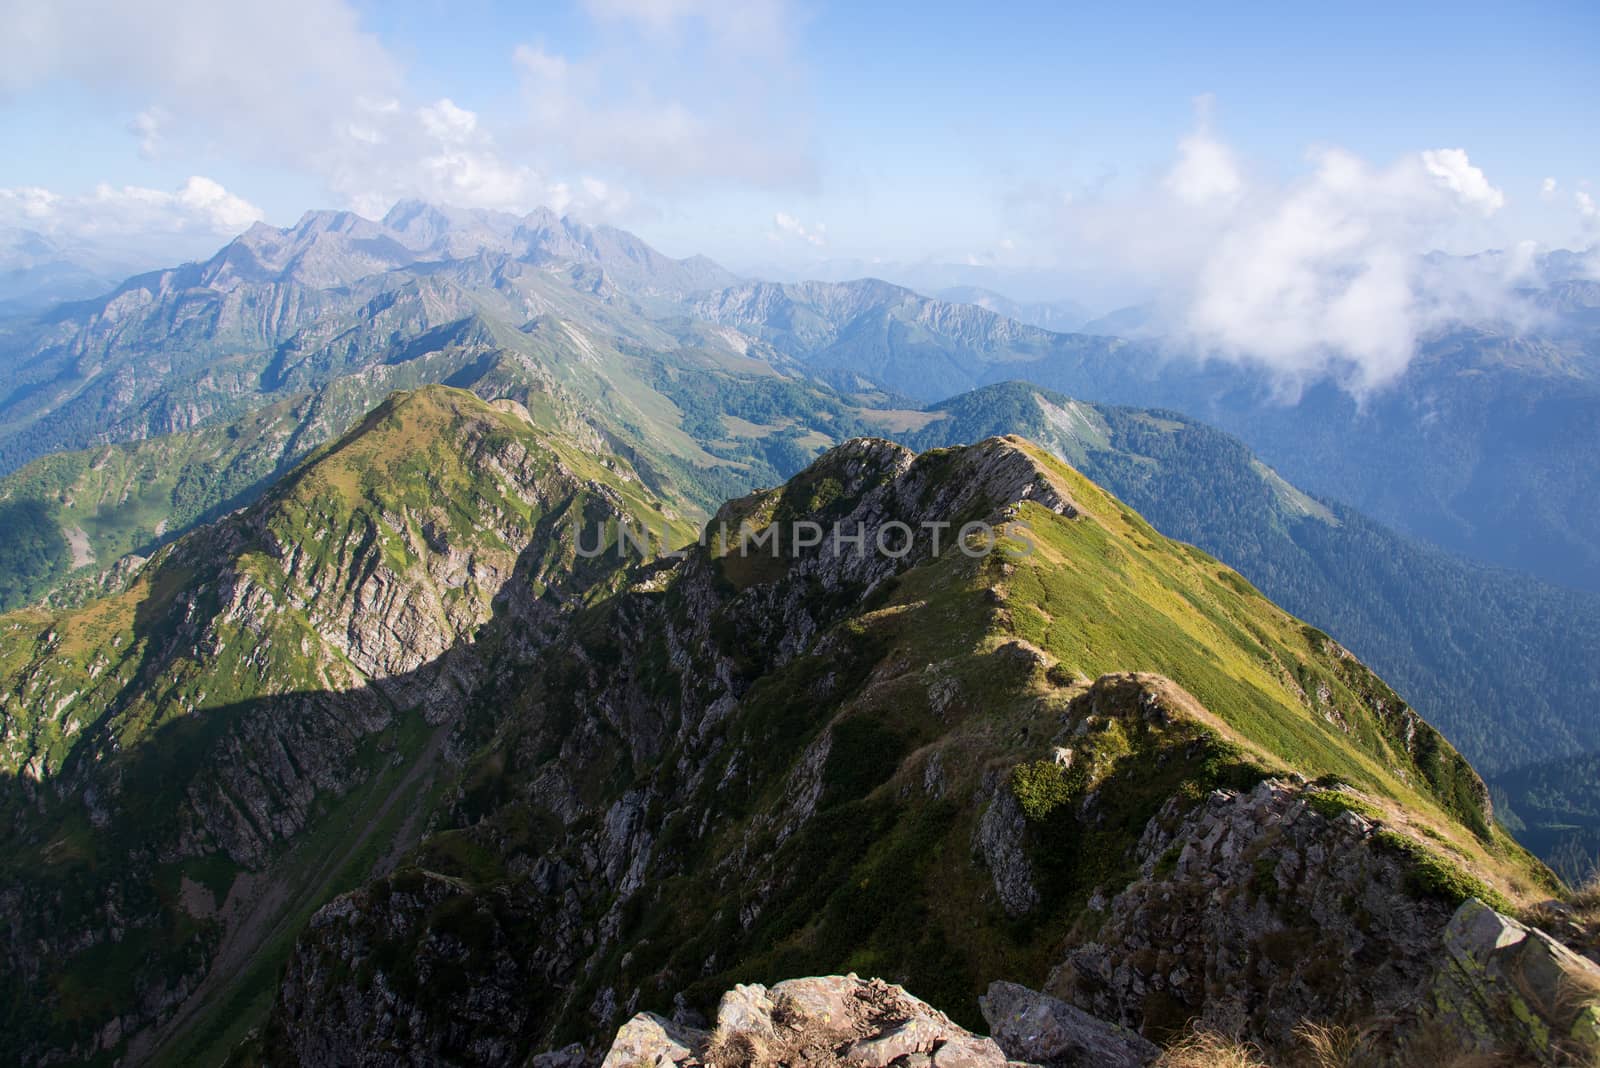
999 841
1254 913
309 647
1504 984
825 1021
1040 1029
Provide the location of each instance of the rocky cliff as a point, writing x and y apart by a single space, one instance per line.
259 717
848 1021
1002 750
423 758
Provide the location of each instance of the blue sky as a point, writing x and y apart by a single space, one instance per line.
1028 135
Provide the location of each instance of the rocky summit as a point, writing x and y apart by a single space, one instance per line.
462 746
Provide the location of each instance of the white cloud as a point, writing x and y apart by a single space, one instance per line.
303 85
1586 205
1451 168
148 225
448 123
816 234
442 152
149 126
1328 273
1206 170
206 200
1547 188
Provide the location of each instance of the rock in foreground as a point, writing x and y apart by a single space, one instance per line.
829 1020
1041 1029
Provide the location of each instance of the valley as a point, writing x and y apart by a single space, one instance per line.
324 736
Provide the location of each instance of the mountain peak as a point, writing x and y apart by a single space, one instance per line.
1005 701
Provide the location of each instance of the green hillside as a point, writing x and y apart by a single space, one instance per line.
1463 643
748 766
257 719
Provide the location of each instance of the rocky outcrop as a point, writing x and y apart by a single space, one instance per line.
1040 1029
1260 911
829 1022
1253 913
1505 985
998 840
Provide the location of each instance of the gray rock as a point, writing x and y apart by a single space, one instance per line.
822 1003
913 1036
969 1051
1506 985
998 839
1035 1027
746 1009
829 1021
654 1040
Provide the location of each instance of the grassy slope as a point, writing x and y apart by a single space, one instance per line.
1464 643
152 680
923 685
1100 595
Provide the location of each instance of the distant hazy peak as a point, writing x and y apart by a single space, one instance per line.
330 248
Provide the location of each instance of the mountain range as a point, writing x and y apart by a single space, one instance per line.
325 737
207 381
38 272
550 784
1470 448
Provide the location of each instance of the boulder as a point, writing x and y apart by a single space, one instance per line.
652 1040
822 1022
1034 1027
1506 985
746 1009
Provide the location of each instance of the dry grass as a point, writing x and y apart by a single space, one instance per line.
1208 1049
1574 922
738 1050
1577 991
1329 1046
1587 896
1436 1044
1585 904
1370 1046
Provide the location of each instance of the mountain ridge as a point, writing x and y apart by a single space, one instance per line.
802 745
706 410
599 769
206 755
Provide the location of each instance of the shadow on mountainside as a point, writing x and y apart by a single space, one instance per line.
33 551
152 892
